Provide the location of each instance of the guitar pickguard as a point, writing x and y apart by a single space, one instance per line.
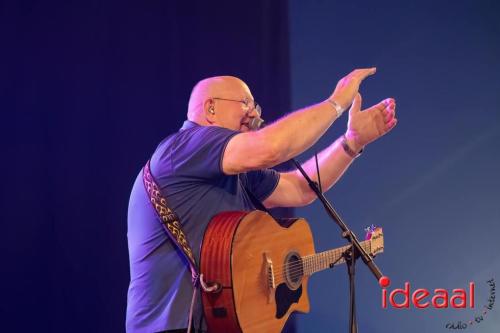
285 297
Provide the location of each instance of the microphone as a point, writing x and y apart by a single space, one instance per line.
255 123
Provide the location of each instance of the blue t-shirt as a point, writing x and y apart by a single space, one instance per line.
187 167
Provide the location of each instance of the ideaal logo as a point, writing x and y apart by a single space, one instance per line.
477 318
440 299
460 298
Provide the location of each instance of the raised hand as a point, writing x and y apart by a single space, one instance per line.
368 125
348 86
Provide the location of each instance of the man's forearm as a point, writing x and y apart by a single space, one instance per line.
333 162
298 131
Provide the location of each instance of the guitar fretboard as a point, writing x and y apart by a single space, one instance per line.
323 260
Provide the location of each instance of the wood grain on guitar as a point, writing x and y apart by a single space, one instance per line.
264 270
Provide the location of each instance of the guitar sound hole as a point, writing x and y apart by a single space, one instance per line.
293 270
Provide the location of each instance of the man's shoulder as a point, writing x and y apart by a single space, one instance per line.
196 151
198 134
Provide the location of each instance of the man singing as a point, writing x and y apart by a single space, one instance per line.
220 161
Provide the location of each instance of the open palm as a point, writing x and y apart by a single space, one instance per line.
368 125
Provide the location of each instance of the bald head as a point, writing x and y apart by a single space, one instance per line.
218 86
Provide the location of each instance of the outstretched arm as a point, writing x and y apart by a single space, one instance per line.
291 135
363 128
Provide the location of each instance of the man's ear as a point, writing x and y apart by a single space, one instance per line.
209 110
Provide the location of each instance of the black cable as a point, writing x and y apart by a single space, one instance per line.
317 171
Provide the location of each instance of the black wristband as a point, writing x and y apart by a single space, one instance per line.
348 149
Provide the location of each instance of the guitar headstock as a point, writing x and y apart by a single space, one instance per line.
376 238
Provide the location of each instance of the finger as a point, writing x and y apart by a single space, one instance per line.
388 103
363 73
381 106
356 104
389 113
390 125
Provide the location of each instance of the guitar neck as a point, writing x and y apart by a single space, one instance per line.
323 260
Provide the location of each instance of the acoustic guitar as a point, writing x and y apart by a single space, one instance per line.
262 268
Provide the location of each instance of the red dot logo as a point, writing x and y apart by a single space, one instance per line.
384 281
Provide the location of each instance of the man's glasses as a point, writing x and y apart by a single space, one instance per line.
250 105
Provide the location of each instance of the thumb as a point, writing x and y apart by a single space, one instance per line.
356 104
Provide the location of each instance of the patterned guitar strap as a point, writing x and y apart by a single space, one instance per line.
170 222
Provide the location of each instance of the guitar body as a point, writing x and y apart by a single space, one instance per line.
245 253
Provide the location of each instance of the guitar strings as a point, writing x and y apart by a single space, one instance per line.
297 274
313 260
310 262
305 263
296 269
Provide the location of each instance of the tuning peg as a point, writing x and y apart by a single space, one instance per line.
369 230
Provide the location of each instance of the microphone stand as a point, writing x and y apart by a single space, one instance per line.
350 255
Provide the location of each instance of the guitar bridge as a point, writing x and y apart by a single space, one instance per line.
271 284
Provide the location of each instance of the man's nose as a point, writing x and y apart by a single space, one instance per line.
252 113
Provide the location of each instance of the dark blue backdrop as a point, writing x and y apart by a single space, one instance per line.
88 90
433 183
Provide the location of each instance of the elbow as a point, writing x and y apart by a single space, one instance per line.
308 198
307 195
